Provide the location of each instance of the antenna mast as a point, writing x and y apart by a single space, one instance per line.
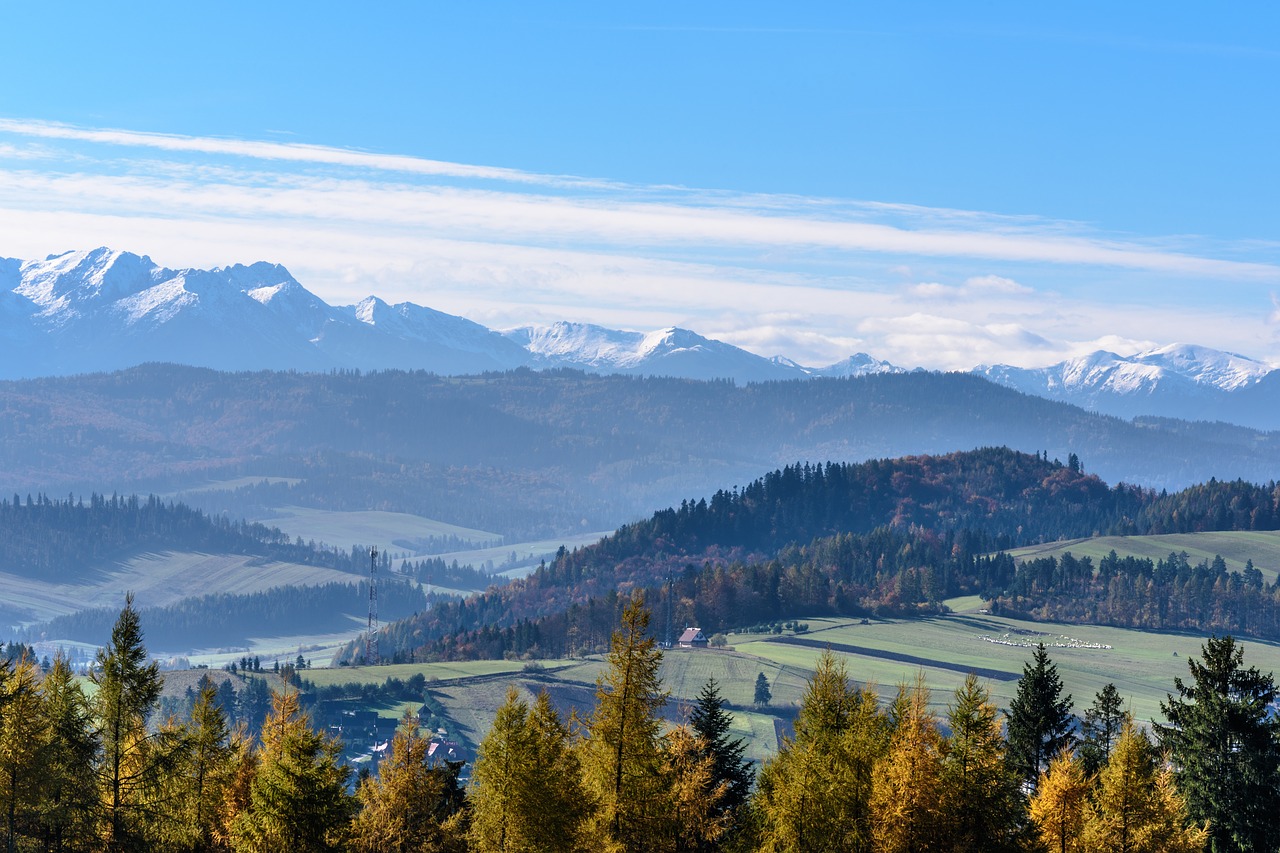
371 648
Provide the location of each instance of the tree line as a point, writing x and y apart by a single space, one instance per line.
43 537
231 619
98 772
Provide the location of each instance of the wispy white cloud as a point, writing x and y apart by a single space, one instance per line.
973 287
815 279
296 152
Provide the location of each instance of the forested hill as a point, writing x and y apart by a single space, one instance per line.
66 539
887 535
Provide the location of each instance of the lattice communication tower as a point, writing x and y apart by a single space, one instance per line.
371 647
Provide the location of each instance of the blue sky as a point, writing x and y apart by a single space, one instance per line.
933 184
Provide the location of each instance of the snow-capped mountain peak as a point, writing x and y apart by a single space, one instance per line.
74 282
1177 380
1225 370
104 309
858 364
580 343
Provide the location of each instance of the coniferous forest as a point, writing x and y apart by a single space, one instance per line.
99 770
886 537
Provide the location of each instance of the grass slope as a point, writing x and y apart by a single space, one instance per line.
1235 547
348 529
158 578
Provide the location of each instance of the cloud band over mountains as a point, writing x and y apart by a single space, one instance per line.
819 277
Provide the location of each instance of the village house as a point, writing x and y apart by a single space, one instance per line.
692 638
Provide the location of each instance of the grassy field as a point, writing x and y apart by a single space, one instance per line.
881 653
348 529
1235 547
1142 664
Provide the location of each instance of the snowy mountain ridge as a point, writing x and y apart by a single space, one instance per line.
104 309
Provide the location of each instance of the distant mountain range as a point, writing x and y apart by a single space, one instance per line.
103 310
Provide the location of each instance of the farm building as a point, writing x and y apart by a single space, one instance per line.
692 638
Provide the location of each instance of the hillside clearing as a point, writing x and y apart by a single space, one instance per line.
1235 547
390 531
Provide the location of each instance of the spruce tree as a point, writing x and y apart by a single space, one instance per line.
128 690
1222 740
1100 729
1039 718
711 723
763 695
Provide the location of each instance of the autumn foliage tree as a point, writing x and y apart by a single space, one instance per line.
526 789
1057 807
815 794
622 750
982 807
906 801
1136 808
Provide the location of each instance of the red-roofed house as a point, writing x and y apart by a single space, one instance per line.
692 638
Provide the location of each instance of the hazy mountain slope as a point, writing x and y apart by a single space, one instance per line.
546 452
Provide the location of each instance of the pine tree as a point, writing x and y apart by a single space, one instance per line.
906 801
1222 740
298 800
1102 724
1057 807
710 724
763 695
526 791
1136 808
128 689
1039 719
66 813
622 751
982 806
